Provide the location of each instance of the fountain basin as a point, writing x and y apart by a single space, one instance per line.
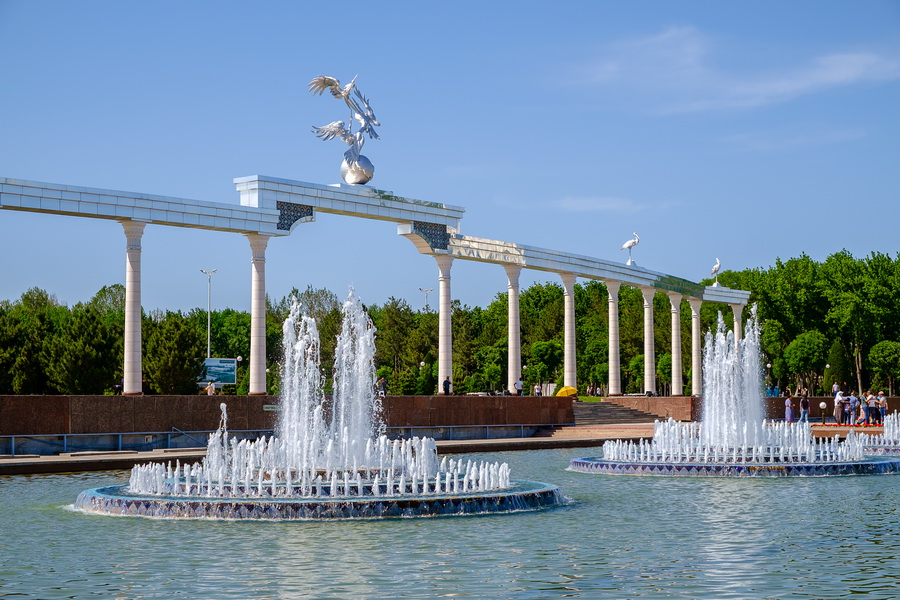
866 466
521 496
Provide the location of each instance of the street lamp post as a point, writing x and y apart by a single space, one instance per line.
426 296
209 273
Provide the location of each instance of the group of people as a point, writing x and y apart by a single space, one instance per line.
866 409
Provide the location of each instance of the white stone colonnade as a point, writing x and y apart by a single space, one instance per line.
271 207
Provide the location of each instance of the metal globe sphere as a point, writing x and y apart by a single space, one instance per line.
359 173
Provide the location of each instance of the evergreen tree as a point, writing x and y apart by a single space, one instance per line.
81 358
173 360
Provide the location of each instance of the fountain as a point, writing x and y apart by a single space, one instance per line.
733 439
327 459
888 442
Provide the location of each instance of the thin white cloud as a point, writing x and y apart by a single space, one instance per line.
678 72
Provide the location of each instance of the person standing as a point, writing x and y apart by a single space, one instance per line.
447 386
838 408
537 389
874 412
211 389
864 400
882 406
804 409
520 386
788 409
835 389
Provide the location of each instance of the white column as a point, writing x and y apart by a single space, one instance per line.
132 370
696 349
615 369
258 245
737 309
677 384
649 342
569 375
514 359
445 324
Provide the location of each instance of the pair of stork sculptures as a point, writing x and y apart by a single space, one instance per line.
637 240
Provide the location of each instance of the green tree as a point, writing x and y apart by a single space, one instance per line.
806 356
173 361
884 358
546 359
634 375
839 366
38 317
81 358
664 373
854 314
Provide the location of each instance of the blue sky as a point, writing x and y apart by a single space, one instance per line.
745 131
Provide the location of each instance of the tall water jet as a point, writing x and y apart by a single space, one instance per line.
733 438
329 458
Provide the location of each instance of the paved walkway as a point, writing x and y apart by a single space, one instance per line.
568 437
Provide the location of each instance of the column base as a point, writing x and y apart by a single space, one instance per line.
258 394
132 393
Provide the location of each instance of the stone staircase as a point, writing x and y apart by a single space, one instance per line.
591 418
607 413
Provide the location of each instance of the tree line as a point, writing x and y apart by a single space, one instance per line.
821 322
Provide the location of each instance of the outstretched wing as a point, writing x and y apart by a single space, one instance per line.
366 116
322 83
330 131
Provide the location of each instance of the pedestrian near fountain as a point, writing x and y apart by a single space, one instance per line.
854 405
835 389
447 386
537 389
210 389
519 387
882 405
804 409
788 409
874 412
838 407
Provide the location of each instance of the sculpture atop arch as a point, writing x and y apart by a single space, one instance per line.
356 168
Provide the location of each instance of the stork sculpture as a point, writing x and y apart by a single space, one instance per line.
715 272
356 168
629 245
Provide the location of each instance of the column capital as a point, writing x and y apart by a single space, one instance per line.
675 299
444 262
695 303
648 292
258 243
568 280
512 272
612 287
134 230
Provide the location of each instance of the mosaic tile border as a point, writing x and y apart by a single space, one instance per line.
871 466
114 500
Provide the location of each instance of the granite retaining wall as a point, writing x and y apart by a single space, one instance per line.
51 415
